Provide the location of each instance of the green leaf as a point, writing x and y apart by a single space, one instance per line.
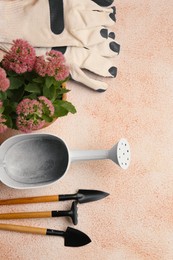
67 105
49 81
15 83
9 93
50 93
6 102
1 110
11 73
47 118
60 111
62 91
29 76
10 107
13 105
45 91
30 96
33 88
3 95
17 94
62 108
9 121
58 84
38 80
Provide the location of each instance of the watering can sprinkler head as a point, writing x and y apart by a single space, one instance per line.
120 154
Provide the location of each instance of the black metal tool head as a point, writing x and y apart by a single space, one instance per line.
73 213
75 238
85 196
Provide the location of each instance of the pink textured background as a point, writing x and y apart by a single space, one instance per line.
136 221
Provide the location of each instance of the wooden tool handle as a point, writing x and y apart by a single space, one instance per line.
30 200
25 229
42 214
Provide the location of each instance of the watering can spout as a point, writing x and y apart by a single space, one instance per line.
85 155
120 153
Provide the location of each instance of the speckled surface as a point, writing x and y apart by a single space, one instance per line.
135 221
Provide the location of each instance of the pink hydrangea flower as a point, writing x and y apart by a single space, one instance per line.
3 126
28 125
29 115
46 102
28 106
4 81
20 58
52 64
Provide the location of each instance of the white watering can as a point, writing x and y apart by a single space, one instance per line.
37 160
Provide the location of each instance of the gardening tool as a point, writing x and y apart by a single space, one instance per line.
35 160
82 196
72 237
72 213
